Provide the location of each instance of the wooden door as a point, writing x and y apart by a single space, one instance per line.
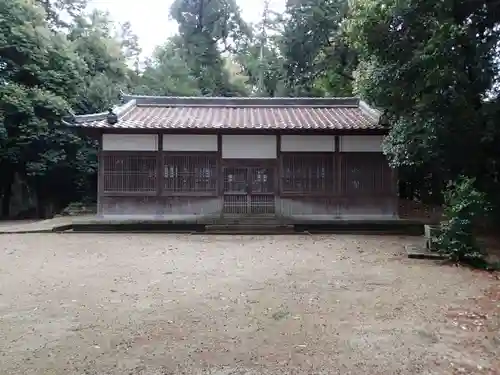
249 190
261 190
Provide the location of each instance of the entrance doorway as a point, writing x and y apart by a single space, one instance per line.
249 189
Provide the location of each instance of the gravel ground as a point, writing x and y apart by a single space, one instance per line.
168 304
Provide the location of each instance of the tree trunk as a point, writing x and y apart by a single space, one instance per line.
40 209
6 198
7 194
40 201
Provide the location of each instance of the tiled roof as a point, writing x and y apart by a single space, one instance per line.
146 112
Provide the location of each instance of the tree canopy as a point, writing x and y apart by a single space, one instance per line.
317 60
433 68
207 29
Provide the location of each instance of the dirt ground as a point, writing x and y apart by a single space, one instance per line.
158 304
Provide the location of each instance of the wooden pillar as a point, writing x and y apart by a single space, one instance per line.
159 175
277 178
338 176
159 166
220 174
395 191
100 176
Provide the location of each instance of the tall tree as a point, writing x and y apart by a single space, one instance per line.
207 29
106 70
167 72
38 70
317 60
431 66
130 45
60 13
261 58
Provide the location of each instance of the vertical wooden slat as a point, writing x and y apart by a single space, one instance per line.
307 173
190 173
249 188
394 191
100 177
160 173
278 170
220 176
128 172
337 175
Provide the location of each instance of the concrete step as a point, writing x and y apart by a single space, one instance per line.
249 229
356 227
139 227
420 252
251 220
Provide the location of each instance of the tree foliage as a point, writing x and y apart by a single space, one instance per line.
39 70
260 56
317 60
168 73
431 66
105 70
464 204
45 72
207 29
57 10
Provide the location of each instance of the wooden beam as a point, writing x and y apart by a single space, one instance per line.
88 131
395 190
159 165
100 176
220 171
277 170
338 167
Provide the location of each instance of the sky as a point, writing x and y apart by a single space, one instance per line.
150 18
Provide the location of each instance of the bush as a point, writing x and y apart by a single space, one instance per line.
463 204
79 208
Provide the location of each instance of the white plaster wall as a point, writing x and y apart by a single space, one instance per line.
361 143
130 142
249 146
189 142
308 143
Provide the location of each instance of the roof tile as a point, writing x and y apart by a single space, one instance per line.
239 113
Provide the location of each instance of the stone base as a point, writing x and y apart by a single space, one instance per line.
420 252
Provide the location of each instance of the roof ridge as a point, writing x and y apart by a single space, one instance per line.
250 106
237 97
241 101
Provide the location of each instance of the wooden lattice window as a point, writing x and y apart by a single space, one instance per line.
307 173
190 173
366 174
130 172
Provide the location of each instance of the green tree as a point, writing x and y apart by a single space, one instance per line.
57 12
431 66
105 72
130 46
38 70
236 76
167 72
317 60
208 28
464 204
260 56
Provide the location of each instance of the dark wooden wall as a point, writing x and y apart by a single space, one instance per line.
297 183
